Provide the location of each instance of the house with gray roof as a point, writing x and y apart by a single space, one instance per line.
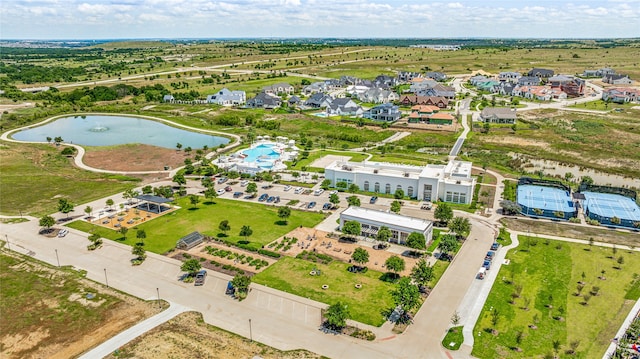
541 73
617 80
528 81
439 90
377 95
344 107
318 100
168 98
279 89
225 97
386 112
498 115
264 100
436 75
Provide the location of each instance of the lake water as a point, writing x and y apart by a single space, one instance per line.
98 130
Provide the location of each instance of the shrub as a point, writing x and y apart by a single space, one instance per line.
269 253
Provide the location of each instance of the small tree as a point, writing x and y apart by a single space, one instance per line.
384 233
64 206
49 139
123 230
353 188
241 284
360 256
210 194
109 203
353 201
224 227
178 146
416 240
422 273
574 346
141 234
191 266
443 213
246 231
47 222
284 213
455 318
252 188
460 226
336 316
334 199
88 210
398 194
395 206
325 184
406 296
352 228
448 244
556 346
179 179
194 199
495 318
140 254
395 264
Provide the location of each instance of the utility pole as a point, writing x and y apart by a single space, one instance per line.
250 332
106 281
57 258
7 238
159 304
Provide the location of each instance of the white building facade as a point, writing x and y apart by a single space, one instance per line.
449 183
401 226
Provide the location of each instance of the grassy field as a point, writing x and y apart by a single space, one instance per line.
548 273
603 106
45 312
165 231
292 275
35 176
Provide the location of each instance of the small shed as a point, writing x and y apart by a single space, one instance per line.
189 241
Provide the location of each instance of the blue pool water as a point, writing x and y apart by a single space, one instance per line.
98 130
263 155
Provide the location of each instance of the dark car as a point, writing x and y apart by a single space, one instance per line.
373 199
230 289
263 197
490 255
326 206
200 277
250 196
277 199
222 180
237 194
311 205
271 199
486 265
228 189
495 246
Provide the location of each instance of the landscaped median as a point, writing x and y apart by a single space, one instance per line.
557 297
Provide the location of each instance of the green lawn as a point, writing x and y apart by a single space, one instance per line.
549 274
165 231
602 105
365 305
454 336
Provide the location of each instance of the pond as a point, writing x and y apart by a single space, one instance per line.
104 130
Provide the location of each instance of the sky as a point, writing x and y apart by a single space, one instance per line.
133 19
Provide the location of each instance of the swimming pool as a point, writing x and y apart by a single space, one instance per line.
263 155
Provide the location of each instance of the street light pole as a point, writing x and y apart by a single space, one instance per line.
7 238
158 291
106 281
57 258
250 332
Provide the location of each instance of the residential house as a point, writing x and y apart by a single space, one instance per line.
279 89
421 83
436 75
440 90
541 93
356 90
407 76
509 76
506 88
621 95
344 107
617 80
315 87
489 85
168 98
528 81
386 112
318 100
385 81
498 115
541 73
264 100
572 86
599 73
475 80
225 97
429 115
377 95
294 101
438 101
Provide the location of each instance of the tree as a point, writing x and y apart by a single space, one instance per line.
448 244
47 222
510 207
109 202
210 194
49 139
252 188
384 233
399 194
178 146
586 180
422 273
179 179
284 213
191 266
443 213
194 199
139 252
246 231
123 230
395 207
395 264
224 227
141 234
352 228
325 184
334 199
353 188
147 189
336 316
416 240
241 284
188 150
406 296
65 206
360 256
353 201
88 210
460 226
495 318
58 140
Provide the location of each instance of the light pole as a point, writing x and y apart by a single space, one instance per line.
250 332
106 281
7 238
158 291
57 258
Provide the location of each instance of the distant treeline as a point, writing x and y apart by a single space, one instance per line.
88 95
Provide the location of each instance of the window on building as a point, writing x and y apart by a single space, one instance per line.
366 186
410 191
448 197
387 188
456 197
463 198
398 187
376 187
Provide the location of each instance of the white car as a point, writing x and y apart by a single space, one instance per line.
299 190
63 232
220 192
244 183
334 192
287 187
318 192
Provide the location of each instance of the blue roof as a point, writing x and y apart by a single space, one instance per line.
611 205
545 198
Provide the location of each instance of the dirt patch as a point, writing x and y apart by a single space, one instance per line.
518 141
135 157
187 336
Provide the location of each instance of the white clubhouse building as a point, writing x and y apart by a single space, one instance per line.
401 226
449 183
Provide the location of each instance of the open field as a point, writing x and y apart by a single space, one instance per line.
165 231
292 275
551 228
35 176
133 157
187 336
46 313
548 276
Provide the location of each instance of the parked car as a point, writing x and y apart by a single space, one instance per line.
490 255
318 192
271 199
220 192
287 188
263 197
495 246
327 206
373 200
244 183
486 265
299 190
334 192
237 194
63 232
228 189
277 199
250 196
222 180
427 206
311 205
200 277
230 289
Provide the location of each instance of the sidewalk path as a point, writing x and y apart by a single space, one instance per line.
130 334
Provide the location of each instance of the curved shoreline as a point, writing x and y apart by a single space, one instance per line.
81 151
